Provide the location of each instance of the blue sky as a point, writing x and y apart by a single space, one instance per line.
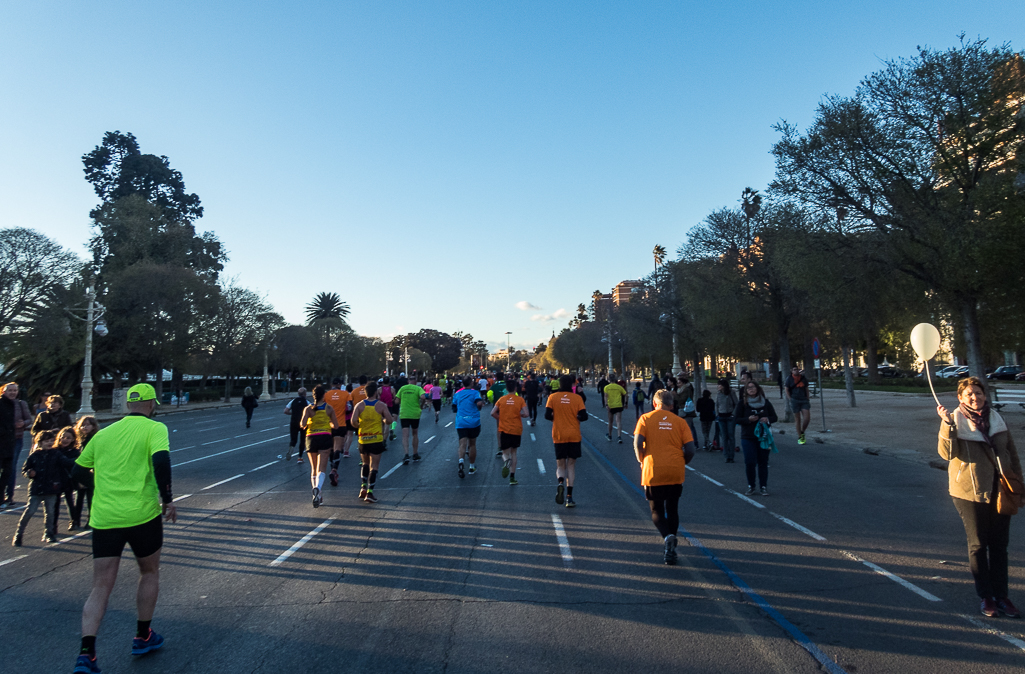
436 163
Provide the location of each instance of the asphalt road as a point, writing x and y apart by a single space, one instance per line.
854 563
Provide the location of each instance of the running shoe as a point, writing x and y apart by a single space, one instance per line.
621 441
499 454
405 460
512 481
670 549
316 497
989 608
570 503
300 459
86 665
559 491
47 538
1007 608
764 491
750 491
461 473
152 642
362 492
288 454
16 541
416 457
333 476
472 470
391 435
608 437
505 469
370 498
800 439
345 455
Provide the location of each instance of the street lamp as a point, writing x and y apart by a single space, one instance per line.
266 375
93 321
508 353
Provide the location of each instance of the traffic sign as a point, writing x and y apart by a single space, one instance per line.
816 348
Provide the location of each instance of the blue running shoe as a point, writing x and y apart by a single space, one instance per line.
86 665
150 643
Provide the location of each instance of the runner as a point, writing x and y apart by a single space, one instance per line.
387 396
510 410
350 432
436 393
664 446
296 433
370 416
467 404
128 465
615 396
800 403
411 399
638 400
566 411
338 399
448 391
531 393
319 421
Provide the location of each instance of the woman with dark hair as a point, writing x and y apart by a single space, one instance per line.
976 442
319 420
249 403
752 410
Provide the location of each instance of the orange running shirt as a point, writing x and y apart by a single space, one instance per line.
359 394
565 425
509 419
665 434
339 400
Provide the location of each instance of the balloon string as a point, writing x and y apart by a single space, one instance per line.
929 377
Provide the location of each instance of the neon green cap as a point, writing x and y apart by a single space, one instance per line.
141 393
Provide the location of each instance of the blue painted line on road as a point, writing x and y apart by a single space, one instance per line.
827 663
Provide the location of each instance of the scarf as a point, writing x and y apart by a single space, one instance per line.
979 419
756 403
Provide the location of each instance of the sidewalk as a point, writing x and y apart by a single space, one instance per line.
280 398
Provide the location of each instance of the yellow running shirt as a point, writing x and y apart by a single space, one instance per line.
370 424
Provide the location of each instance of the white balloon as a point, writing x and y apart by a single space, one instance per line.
925 340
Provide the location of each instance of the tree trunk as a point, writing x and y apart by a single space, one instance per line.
227 388
848 373
872 357
774 358
973 341
784 364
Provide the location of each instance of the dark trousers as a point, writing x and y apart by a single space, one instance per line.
7 478
50 507
988 533
706 430
532 408
297 435
249 416
727 434
74 510
12 476
754 455
665 513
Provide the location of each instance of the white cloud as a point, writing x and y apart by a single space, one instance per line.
548 318
527 306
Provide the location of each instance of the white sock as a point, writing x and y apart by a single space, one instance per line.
460 460
320 480
473 467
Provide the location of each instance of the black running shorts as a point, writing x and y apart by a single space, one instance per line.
468 432
145 539
372 448
615 410
437 404
663 492
410 423
319 442
508 440
339 432
567 450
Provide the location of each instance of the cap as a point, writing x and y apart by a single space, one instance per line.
141 393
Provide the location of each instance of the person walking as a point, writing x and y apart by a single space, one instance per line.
755 409
23 418
566 411
797 392
638 400
725 404
296 434
128 465
602 383
706 415
664 446
249 403
687 404
655 385
976 441
371 417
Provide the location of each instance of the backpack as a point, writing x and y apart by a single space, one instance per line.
638 396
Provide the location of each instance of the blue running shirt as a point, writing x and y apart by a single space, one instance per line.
467 414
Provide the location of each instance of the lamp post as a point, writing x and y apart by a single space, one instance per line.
93 321
266 374
508 353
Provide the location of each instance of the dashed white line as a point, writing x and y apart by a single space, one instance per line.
532 437
541 466
897 579
264 430
753 502
69 538
214 442
716 483
13 559
181 449
560 535
391 470
429 439
803 530
448 424
228 451
263 466
218 484
301 542
181 498
995 632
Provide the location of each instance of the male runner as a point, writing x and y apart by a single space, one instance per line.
566 411
615 396
370 416
467 404
296 433
128 465
510 410
411 401
664 446
338 399
531 393
359 393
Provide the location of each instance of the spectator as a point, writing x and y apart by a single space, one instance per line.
53 418
706 413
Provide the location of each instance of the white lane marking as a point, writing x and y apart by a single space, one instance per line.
214 442
13 510
995 632
391 470
560 534
228 451
208 421
301 542
263 466
181 498
532 437
448 424
264 430
897 579
429 439
744 498
13 559
241 436
181 449
218 484
803 530
541 466
69 538
717 484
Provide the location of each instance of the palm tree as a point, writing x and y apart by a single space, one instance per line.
660 257
326 305
596 304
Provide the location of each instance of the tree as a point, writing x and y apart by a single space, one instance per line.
326 306
660 257
117 168
244 324
924 154
443 348
32 268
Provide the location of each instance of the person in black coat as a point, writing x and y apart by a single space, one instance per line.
7 441
296 434
249 404
46 468
752 410
53 418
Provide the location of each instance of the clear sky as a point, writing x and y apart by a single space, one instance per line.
438 163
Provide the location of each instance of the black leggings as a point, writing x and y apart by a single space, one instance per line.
665 513
532 408
988 533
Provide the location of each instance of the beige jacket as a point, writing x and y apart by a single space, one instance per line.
970 472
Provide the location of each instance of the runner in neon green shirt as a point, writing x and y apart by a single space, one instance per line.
412 399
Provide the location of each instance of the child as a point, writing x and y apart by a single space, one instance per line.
66 442
45 467
638 399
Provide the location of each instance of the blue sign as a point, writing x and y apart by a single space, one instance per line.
816 348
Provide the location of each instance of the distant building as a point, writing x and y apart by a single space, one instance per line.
627 290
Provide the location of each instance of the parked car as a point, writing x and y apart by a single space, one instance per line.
1009 372
948 371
